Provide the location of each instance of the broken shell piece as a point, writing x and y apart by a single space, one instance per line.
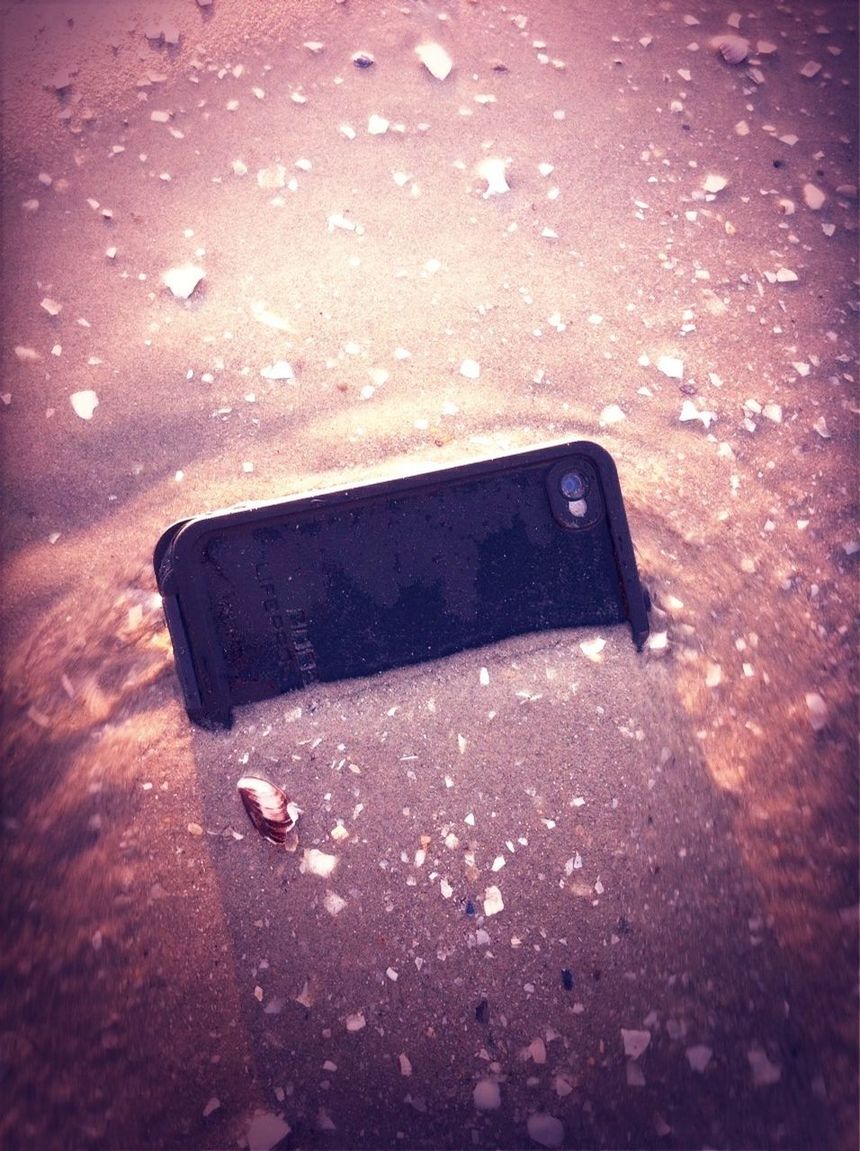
817 708
317 863
671 367
51 306
471 369
377 125
545 1129
435 59
266 1131
635 1042
493 901
786 206
699 1057
611 414
263 315
714 184
268 808
689 412
810 68
486 1095
273 177
733 49
183 279
280 370
334 903
592 648
493 169
813 197
764 1073
84 403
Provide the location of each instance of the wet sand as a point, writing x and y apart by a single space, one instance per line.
673 834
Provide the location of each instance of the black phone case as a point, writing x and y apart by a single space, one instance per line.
265 598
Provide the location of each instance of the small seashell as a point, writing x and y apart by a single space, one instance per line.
315 862
435 59
733 49
813 197
810 68
183 279
493 903
377 125
268 808
714 183
493 169
84 403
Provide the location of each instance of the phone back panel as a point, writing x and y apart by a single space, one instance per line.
265 599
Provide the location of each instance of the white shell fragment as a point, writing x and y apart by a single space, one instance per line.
813 197
51 306
611 414
316 862
699 1057
435 59
817 708
279 370
733 49
268 808
689 412
355 1022
334 903
493 901
272 177
592 648
377 125
810 68
635 1042
545 1129
266 1131
486 1095
263 315
493 169
764 1073
671 367
713 184
84 403
471 369
183 279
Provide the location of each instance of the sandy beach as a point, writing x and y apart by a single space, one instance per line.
574 898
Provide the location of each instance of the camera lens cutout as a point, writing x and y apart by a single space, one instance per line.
573 486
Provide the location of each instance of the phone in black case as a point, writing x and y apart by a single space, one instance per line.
266 598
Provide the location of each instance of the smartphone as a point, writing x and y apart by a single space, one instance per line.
271 597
